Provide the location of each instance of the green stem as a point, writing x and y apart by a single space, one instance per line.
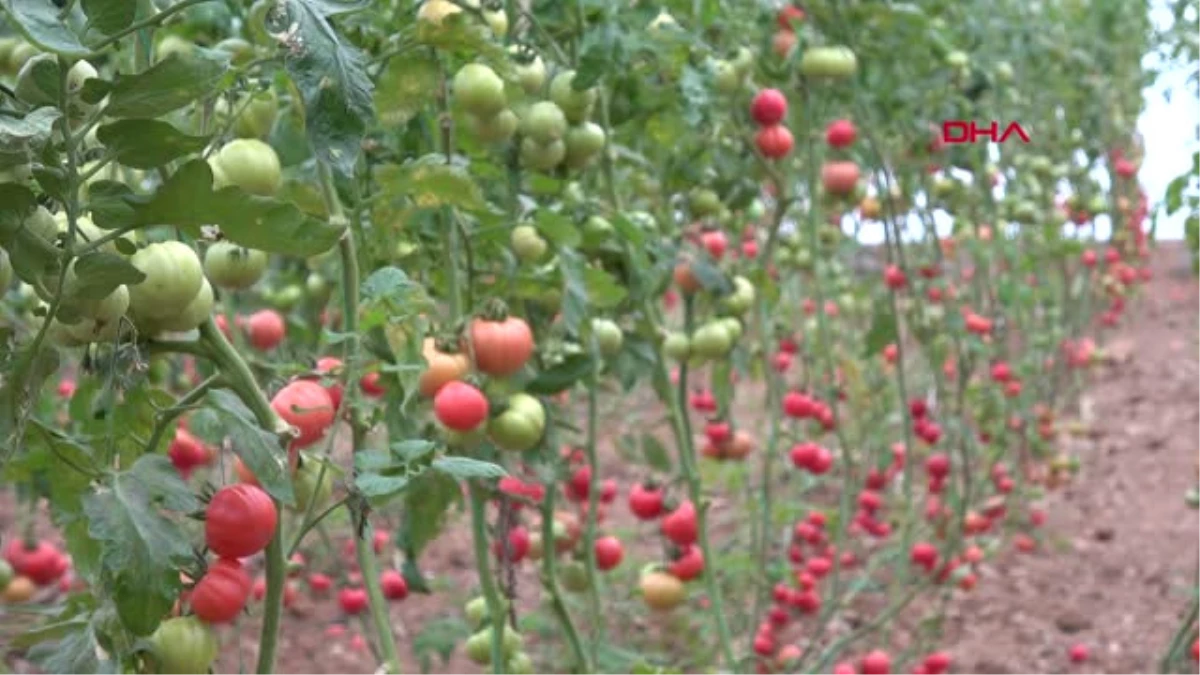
1186 629
499 622
550 577
589 538
146 23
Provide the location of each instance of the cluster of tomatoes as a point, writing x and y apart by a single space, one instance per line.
27 565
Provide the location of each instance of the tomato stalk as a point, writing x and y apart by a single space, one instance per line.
1186 629
589 538
499 622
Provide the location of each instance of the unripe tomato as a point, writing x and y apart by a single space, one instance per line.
258 116
829 62
712 341
393 584
235 267
677 346
742 297
497 128
576 105
239 521
460 406
609 337
174 276
520 664
726 76
479 90
184 645
573 575
521 425
6 573
527 244
501 347
19 590
530 73
584 143
266 329
662 592
441 369
193 314
542 157
305 405
250 164
544 122
222 592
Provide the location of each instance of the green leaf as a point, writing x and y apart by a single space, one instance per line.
440 637
338 7
426 504
99 273
711 277
655 454
76 652
142 548
22 137
575 294
255 222
261 450
31 255
409 82
561 377
39 22
147 143
431 183
603 290
376 486
332 78
465 468
168 85
109 16
558 228
881 333
412 449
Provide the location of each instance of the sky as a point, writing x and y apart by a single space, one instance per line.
1170 131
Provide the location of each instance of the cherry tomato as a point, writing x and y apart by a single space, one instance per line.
39 563
460 406
305 405
646 501
266 329
393 584
609 553
680 525
240 521
221 594
352 600
184 645
662 591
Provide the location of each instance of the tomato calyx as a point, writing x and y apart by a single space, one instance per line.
494 309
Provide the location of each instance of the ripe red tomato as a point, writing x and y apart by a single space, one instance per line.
331 366
840 178
501 347
840 133
937 663
925 555
876 662
187 452
240 521
894 277
266 329
680 525
460 406
689 565
715 243
1078 653
774 141
609 553
646 501
221 593
393 584
352 600
40 563
789 14
769 107
371 386
306 405
519 543
319 583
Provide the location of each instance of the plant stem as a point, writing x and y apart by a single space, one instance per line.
1187 628
499 622
550 576
589 537
146 23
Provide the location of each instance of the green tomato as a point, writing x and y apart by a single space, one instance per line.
544 122
249 164
520 664
576 105
497 20
726 77
527 244
609 337
110 308
231 266
711 341
194 314
530 74
677 346
85 229
573 575
1097 205
318 288
743 61
477 611
584 142
733 327
257 116
597 228
240 51
495 129
829 62
1004 72
742 297
520 426
479 647
174 277
6 573
174 45
310 490
288 297
704 202
479 90
958 60
184 645
542 157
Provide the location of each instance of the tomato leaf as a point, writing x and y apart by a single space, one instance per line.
465 468
77 651
168 85
602 288
575 292
561 377
141 547
406 84
99 273
260 449
147 143
655 454
109 16
426 503
440 637
431 183
711 277
22 137
39 22
558 228
331 76
378 487
881 333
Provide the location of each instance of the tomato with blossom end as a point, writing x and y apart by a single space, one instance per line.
460 406
609 553
266 329
840 133
305 405
352 600
394 586
769 107
222 592
239 521
774 141
646 501
680 525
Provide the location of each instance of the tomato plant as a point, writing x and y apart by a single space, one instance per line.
697 297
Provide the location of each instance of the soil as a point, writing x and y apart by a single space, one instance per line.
1113 570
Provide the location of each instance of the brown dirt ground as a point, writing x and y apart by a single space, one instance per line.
1117 560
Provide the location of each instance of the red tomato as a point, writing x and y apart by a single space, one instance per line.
839 178
187 452
680 525
222 593
460 406
519 543
380 540
319 583
307 406
352 600
266 329
646 501
393 584
774 141
789 14
331 366
769 107
39 563
501 347
609 553
876 662
840 133
689 565
240 521
371 385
